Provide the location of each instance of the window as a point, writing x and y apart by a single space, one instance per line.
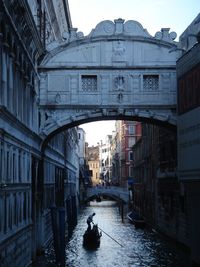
131 129
131 141
150 82
130 155
89 82
131 171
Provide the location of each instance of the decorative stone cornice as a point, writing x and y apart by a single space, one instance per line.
119 31
120 27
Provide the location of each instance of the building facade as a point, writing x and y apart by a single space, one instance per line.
122 154
36 37
188 74
105 161
157 191
93 162
31 181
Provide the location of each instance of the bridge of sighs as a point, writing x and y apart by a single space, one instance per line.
118 71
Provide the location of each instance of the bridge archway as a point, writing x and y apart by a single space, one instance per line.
118 71
143 116
117 194
111 197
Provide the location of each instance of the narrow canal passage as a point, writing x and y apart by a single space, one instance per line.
140 247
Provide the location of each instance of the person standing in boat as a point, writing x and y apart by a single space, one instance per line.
89 221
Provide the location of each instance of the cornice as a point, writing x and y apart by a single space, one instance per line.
16 123
32 27
31 23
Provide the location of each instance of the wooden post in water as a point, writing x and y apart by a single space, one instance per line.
69 217
122 210
54 223
61 212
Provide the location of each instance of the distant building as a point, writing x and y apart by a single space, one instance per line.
93 162
81 146
122 154
156 193
105 159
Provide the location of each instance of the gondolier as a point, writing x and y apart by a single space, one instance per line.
89 221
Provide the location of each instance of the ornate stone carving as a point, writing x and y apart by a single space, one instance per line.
65 36
48 33
50 117
119 82
130 27
120 97
134 28
119 27
118 51
58 98
73 34
165 35
106 27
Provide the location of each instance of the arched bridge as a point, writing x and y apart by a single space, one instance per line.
118 71
114 192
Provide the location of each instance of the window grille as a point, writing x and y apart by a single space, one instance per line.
151 82
89 82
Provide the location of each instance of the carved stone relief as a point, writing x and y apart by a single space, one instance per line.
58 98
118 51
106 27
119 83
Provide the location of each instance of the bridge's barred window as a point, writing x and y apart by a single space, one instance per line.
89 82
150 82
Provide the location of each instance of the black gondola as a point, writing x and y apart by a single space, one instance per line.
91 238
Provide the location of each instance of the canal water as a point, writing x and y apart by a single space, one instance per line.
140 248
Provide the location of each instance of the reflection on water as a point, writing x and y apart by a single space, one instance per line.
140 247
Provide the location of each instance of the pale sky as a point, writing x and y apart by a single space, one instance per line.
152 14
97 131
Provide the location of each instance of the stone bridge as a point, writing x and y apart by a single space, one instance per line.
114 192
118 71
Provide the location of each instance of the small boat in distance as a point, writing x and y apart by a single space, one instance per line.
136 219
91 238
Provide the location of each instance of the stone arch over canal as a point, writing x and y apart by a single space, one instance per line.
118 71
115 193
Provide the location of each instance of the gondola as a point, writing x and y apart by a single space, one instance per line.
136 219
91 238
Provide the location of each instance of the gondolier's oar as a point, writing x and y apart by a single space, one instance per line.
110 236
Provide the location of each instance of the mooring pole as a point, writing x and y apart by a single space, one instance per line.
61 212
54 223
122 211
